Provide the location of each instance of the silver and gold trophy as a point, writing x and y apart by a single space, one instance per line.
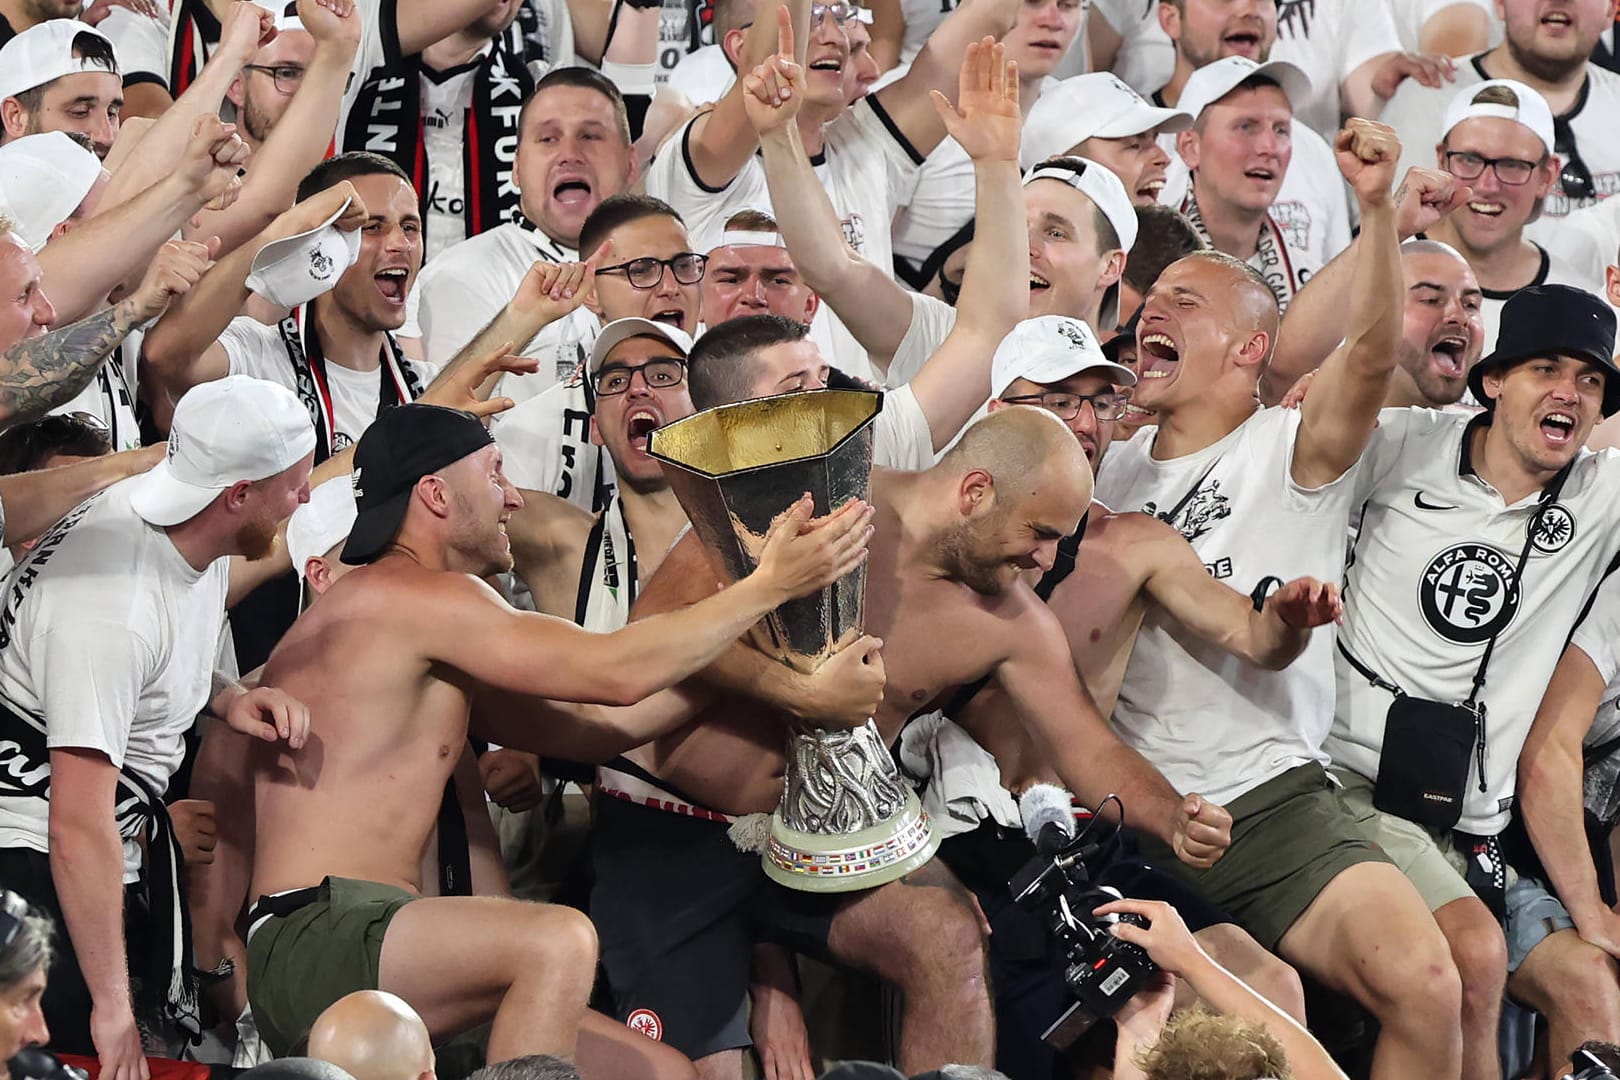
847 820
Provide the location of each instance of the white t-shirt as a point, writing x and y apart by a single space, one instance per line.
140 42
466 287
940 200
1555 270
257 350
1312 206
1147 57
1586 241
932 320
703 76
1417 113
445 97
866 166
1210 722
1411 16
109 644
1329 39
1431 575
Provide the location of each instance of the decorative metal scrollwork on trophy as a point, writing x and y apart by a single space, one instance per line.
847 820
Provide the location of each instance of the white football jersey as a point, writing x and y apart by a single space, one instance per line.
1432 576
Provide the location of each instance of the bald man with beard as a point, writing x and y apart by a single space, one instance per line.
944 591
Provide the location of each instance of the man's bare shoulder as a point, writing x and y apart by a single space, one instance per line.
1121 532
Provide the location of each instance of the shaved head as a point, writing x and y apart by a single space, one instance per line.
373 1035
1023 449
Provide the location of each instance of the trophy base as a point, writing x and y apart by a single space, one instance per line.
850 862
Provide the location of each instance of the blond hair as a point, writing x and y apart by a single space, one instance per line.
1199 1045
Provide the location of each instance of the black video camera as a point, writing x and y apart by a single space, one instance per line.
37 1063
1102 972
1586 1065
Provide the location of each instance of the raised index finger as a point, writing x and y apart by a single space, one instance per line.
784 32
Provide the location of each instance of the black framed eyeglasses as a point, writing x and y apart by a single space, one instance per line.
646 273
287 77
657 374
1467 165
1109 405
1575 177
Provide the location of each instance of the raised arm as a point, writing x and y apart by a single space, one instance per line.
477 632
1551 774
934 70
1317 318
419 23
863 296
986 121
548 292
183 349
1339 416
1270 637
722 139
1058 711
246 27
42 373
34 501
300 138
115 246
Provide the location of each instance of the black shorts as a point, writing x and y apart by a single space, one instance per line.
1026 965
677 910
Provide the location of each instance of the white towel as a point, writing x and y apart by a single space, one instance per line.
963 781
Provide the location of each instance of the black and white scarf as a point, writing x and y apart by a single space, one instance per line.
164 958
193 31
1275 263
398 380
387 120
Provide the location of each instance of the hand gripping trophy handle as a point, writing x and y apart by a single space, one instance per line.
847 820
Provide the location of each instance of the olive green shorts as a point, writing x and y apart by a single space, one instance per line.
1290 836
301 962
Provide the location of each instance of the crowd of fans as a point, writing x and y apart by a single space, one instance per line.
1246 466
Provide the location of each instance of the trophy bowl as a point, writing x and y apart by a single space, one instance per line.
847 820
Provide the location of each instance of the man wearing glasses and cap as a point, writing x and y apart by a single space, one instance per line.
1498 138
1547 47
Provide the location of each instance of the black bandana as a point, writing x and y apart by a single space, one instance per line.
398 379
387 120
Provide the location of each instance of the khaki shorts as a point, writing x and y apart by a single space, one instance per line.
1428 858
301 962
1290 836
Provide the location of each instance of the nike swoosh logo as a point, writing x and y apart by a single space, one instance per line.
1417 501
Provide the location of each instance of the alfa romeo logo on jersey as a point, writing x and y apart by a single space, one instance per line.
1467 593
1554 529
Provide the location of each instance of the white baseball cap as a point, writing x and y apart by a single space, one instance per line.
226 431
1102 187
43 179
1095 106
1214 81
44 53
296 269
1532 110
321 524
620 330
1049 349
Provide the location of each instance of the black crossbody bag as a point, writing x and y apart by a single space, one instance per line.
1423 766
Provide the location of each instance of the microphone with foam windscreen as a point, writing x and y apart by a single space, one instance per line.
1048 814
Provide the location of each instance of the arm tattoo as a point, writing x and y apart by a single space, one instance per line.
42 373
